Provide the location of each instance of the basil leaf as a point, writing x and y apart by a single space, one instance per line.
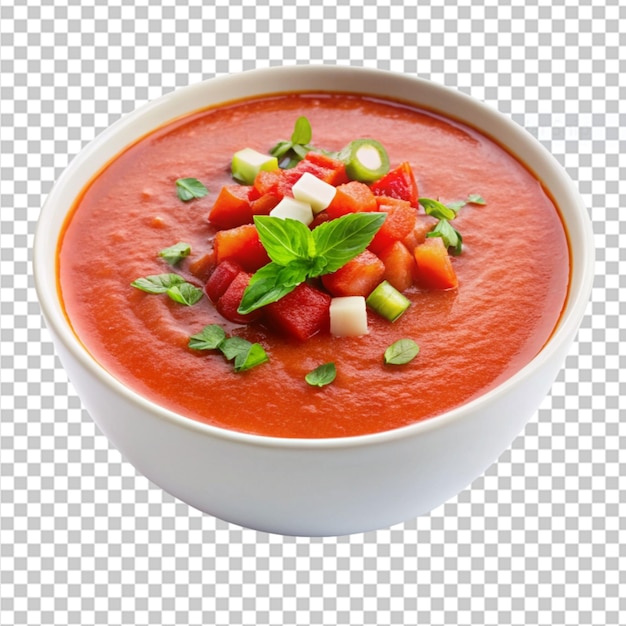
185 293
284 240
175 253
322 375
209 338
295 272
190 188
158 283
401 352
302 132
253 356
474 198
341 239
281 149
451 237
265 287
437 209
300 150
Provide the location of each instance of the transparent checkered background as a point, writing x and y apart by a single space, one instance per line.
86 540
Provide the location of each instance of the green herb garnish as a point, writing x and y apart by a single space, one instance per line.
457 205
401 352
175 286
244 354
437 209
190 188
209 338
445 213
451 236
298 253
474 198
185 293
289 153
322 375
175 253
158 283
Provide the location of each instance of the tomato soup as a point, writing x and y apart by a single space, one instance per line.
512 273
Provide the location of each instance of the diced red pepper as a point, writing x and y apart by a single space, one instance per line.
352 197
232 207
399 265
230 300
202 266
301 313
265 203
400 221
242 245
423 225
434 269
398 183
357 277
220 279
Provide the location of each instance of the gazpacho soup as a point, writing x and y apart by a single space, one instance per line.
313 265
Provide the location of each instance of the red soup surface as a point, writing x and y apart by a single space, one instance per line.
512 275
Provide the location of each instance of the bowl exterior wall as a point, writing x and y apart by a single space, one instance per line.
310 490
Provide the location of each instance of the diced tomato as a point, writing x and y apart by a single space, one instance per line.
202 266
265 203
241 245
274 182
301 313
434 269
331 171
230 300
352 197
232 207
357 277
279 182
400 221
398 183
220 279
399 265
320 218
423 225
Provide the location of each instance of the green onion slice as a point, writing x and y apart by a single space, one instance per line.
366 160
387 301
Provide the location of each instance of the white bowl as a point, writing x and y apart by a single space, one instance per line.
299 486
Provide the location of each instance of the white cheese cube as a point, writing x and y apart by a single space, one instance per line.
247 163
293 209
348 316
316 192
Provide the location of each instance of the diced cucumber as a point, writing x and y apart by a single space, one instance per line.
316 192
388 302
247 163
293 209
348 316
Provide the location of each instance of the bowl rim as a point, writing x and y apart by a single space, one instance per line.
574 309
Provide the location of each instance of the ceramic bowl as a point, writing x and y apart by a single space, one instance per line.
298 486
